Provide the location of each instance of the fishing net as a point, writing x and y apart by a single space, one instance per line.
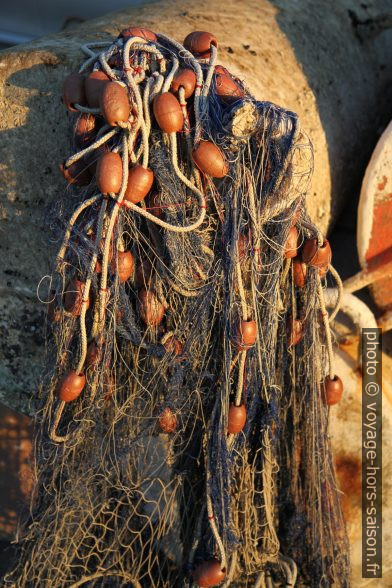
182 436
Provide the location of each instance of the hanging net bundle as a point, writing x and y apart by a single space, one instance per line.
182 436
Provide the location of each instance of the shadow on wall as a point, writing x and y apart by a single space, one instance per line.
362 97
349 28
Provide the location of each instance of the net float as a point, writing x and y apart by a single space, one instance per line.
199 43
246 334
93 356
140 181
125 265
316 256
151 309
168 421
291 245
210 159
71 386
73 91
78 173
114 103
73 298
109 173
221 70
236 419
294 331
209 573
85 129
227 88
168 113
138 32
333 390
173 345
94 84
300 270
184 78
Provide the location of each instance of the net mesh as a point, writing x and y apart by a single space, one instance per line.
137 480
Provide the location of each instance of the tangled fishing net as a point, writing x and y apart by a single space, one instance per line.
183 434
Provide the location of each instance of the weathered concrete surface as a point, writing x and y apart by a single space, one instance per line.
312 57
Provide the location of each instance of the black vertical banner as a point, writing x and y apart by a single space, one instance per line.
371 453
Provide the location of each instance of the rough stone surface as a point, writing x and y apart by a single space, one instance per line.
324 61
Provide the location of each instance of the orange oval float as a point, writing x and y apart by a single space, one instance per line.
316 256
125 265
138 32
333 390
247 334
210 159
227 88
151 309
140 181
209 573
73 297
294 331
168 421
114 103
168 113
73 91
109 173
71 386
184 78
94 86
199 43
236 419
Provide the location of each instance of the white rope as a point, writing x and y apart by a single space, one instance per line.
57 417
86 290
159 81
86 109
240 381
187 55
91 148
313 230
210 71
340 288
71 222
200 197
210 510
325 316
138 98
170 76
109 233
